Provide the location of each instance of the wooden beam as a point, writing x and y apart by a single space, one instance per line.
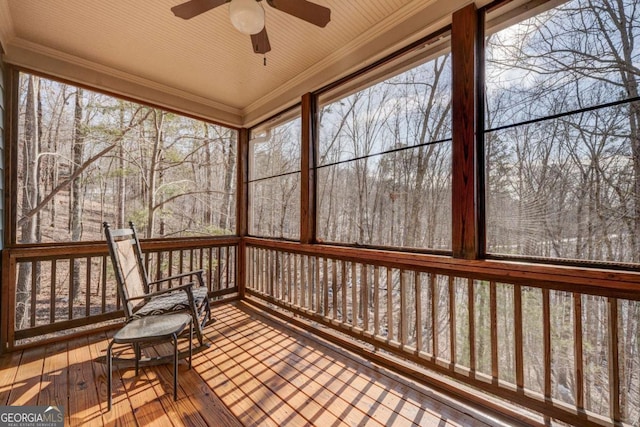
464 52
307 169
242 207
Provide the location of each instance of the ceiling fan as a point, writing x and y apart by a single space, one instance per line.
248 15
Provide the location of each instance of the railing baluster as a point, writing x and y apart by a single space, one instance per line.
87 287
218 267
325 289
270 270
334 288
434 315
577 350
159 258
614 362
493 312
234 254
34 292
280 274
472 324
389 304
303 281
376 300
354 294
210 269
546 336
452 321
181 255
310 284
364 286
318 287
403 333
72 285
344 317
296 282
52 294
170 271
418 307
103 280
289 279
517 308
263 267
227 265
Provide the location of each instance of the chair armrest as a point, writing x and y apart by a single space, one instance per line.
186 287
178 276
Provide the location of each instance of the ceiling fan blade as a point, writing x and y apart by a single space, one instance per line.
195 7
260 42
305 10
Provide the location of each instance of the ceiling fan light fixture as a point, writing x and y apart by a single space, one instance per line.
247 16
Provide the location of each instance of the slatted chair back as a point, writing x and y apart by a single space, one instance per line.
126 254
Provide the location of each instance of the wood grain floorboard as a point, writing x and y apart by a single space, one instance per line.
256 372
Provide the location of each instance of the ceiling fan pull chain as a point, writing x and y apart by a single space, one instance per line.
264 59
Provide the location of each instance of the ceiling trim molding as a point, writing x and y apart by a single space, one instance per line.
49 61
417 19
7 32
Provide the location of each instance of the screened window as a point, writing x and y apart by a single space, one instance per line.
274 185
384 165
85 158
562 139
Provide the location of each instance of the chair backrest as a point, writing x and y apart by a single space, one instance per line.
126 256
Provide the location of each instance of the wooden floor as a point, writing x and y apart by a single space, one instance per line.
257 372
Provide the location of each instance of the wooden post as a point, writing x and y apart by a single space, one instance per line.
464 53
242 207
307 171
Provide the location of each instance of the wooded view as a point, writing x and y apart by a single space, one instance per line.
85 158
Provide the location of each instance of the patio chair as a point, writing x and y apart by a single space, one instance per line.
142 297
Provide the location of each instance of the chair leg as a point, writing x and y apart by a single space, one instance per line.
198 327
138 354
190 343
175 366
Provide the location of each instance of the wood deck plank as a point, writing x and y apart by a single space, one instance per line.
196 401
367 394
311 410
8 370
84 404
312 389
258 371
54 387
236 399
121 413
26 385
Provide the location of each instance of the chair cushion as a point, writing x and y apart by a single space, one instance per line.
174 301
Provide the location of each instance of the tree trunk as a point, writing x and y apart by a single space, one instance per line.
122 181
153 170
228 181
29 196
76 186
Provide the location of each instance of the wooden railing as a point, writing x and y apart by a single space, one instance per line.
560 341
59 289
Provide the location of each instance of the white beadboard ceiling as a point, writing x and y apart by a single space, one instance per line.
203 66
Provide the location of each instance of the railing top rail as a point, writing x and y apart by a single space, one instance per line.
85 249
